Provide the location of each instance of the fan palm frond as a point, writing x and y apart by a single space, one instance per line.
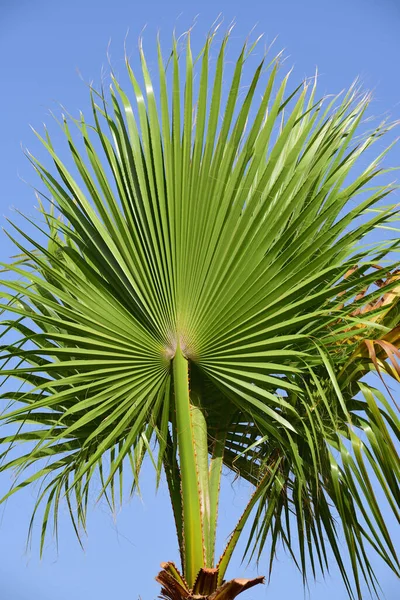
207 293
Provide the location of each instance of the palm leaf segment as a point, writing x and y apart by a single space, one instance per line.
217 245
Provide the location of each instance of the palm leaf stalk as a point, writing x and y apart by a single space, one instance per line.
205 291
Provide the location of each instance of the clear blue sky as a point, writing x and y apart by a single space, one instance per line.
42 44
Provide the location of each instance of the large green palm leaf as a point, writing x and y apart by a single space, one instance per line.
223 241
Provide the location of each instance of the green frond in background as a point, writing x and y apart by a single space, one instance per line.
210 288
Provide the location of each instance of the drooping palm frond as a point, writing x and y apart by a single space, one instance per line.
229 244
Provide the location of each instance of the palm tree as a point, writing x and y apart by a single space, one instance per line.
210 288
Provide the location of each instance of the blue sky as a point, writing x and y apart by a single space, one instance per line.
43 45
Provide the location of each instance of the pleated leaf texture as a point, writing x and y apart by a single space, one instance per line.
242 225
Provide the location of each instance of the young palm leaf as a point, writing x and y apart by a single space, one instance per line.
208 295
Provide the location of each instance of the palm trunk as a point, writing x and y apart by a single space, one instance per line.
205 587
